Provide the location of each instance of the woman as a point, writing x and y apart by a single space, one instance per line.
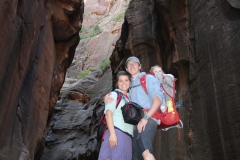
117 144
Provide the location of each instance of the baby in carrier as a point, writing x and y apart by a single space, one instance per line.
166 81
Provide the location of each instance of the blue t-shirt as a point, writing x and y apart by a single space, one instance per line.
139 96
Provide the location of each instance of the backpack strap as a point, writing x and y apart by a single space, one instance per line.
119 97
134 86
166 91
144 83
173 87
164 77
173 90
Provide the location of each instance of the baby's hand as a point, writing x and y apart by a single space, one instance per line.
108 98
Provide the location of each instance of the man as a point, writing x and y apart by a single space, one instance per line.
144 131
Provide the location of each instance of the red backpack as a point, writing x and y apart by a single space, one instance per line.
170 118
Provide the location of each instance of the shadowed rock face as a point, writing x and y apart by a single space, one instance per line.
38 41
73 130
214 75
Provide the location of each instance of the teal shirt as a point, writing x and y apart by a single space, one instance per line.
118 120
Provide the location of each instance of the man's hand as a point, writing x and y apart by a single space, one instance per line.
141 125
108 98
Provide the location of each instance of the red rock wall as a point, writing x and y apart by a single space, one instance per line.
38 40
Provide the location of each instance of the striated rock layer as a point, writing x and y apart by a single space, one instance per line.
37 45
214 76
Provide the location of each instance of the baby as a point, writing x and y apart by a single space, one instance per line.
157 70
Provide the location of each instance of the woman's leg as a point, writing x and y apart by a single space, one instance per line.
105 150
123 150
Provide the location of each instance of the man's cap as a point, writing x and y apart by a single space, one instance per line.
134 59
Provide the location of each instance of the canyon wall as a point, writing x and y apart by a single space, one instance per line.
196 41
214 78
37 45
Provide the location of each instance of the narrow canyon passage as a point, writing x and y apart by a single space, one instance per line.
59 59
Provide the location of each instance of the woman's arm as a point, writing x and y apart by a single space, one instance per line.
110 125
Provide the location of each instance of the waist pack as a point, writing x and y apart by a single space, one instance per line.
132 113
168 119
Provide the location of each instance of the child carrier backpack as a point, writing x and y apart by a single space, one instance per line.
170 117
102 123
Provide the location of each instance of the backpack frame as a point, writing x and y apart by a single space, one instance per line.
168 119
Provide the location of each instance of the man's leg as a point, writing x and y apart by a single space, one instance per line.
137 152
147 155
147 138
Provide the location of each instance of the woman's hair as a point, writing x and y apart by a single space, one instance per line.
122 73
156 66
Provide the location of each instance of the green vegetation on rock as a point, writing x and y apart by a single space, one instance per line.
118 17
86 72
104 64
89 32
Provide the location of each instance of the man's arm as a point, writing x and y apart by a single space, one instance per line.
154 91
108 98
155 106
154 88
